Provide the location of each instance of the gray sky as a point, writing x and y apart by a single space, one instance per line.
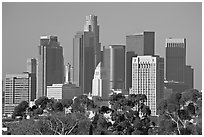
24 23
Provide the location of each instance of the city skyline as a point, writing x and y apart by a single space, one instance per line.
110 32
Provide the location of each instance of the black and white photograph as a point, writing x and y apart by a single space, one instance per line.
101 68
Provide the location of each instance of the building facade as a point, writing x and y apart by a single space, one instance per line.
189 77
50 64
86 54
117 66
18 88
175 59
32 70
99 83
138 44
148 79
55 91
62 91
141 43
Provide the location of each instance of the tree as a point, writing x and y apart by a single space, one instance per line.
42 102
57 106
67 102
179 113
20 109
38 111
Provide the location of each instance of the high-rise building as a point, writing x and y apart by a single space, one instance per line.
148 79
117 66
137 44
99 83
50 64
86 54
175 59
32 69
128 69
106 65
92 26
189 77
141 43
31 65
18 88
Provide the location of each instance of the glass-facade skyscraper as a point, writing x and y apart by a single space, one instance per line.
50 64
86 54
138 44
175 59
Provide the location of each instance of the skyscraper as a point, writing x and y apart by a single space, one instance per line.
92 26
31 65
148 79
137 44
86 54
32 69
50 64
189 77
141 43
175 59
18 88
117 66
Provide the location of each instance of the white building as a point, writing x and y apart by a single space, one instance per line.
99 83
148 79
54 91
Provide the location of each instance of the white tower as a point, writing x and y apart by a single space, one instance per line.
148 79
99 83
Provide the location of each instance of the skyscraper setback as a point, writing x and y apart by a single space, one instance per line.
86 54
50 64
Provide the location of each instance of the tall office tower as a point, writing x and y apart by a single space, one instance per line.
18 88
92 26
99 83
106 65
148 79
141 43
50 64
31 69
137 44
189 77
31 65
117 66
86 54
128 69
175 59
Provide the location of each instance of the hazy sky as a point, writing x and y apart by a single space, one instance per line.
24 23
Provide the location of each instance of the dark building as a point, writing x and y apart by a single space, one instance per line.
106 64
137 44
175 59
117 66
50 64
176 86
189 77
128 69
86 54
32 70
141 43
